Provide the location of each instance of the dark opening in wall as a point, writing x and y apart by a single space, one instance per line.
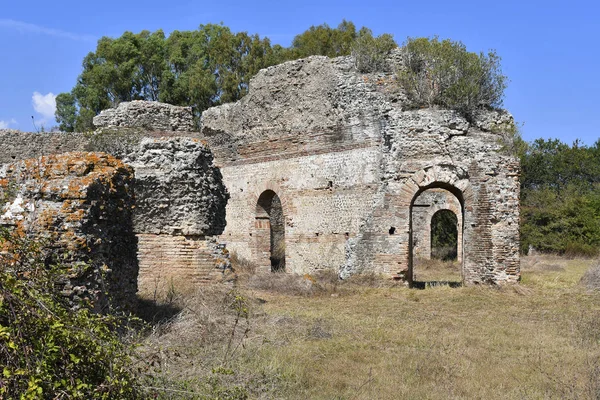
444 236
271 233
392 230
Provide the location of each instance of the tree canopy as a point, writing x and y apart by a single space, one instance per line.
444 73
201 68
560 197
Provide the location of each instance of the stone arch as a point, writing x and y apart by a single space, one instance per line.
269 232
431 202
451 179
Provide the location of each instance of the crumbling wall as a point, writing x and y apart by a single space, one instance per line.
16 145
347 160
150 115
180 197
180 207
78 206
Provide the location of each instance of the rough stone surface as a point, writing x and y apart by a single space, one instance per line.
16 145
179 194
180 207
79 207
347 159
178 189
150 115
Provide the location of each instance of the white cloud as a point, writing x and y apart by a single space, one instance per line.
7 124
44 104
22 27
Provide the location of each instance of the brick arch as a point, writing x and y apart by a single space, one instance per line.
450 178
258 190
422 222
268 229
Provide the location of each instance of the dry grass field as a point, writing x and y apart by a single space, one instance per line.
291 337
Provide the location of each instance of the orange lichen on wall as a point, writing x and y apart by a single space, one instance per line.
59 190
77 208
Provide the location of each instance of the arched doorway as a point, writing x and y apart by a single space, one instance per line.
436 224
270 232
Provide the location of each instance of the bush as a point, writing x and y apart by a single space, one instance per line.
444 73
370 52
48 350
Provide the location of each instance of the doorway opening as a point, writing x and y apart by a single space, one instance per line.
270 231
436 216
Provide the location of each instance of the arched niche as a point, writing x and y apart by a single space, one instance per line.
269 232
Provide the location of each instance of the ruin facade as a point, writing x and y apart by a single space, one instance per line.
324 167
344 160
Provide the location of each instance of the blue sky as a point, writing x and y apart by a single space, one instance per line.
549 49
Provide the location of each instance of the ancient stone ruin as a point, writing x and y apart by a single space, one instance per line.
317 167
324 166
78 206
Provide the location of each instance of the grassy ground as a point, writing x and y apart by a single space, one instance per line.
436 270
305 338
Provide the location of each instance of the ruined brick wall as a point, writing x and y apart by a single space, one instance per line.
179 198
17 145
180 262
78 206
180 207
347 161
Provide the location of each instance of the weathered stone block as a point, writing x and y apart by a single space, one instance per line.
79 207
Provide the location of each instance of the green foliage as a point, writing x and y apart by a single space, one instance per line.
201 68
560 197
66 111
324 41
443 73
48 350
370 52
444 235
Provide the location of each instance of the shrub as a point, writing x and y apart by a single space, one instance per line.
370 52
48 350
444 73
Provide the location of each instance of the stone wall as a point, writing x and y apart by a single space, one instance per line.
179 197
150 115
180 207
348 160
17 145
78 206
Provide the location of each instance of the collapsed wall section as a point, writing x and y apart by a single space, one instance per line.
180 207
308 131
78 206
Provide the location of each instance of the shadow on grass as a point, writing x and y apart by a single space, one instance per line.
430 284
153 312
